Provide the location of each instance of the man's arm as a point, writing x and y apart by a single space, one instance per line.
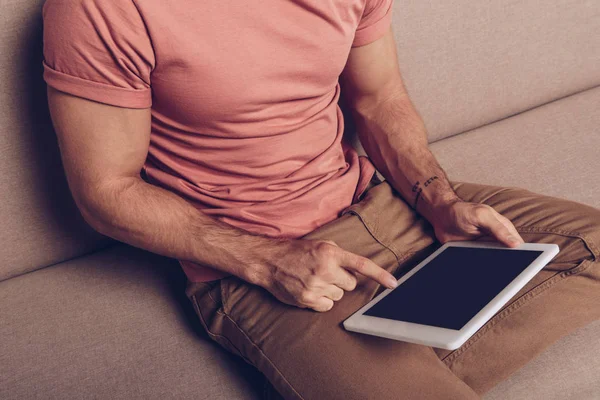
394 136
103 149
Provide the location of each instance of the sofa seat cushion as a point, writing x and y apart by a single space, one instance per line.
569 369
551 149
112 325
116 325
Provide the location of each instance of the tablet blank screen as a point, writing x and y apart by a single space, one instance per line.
454 286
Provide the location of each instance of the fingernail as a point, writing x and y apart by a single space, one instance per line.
513 240
392 283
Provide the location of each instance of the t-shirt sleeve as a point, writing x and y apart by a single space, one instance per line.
374 23
99 50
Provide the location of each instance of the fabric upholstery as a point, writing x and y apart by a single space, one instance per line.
40 224
112 325
544 377
552 149
467 63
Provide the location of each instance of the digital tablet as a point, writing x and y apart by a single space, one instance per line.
445 299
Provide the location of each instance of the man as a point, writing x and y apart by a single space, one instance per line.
210 132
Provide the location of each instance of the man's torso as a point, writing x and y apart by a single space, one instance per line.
245 122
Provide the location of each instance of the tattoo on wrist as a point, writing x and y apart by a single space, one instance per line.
418 189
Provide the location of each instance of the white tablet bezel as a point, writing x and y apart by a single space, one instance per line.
442 337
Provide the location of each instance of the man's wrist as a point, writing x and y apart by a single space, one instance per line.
248 256
430 206
261 263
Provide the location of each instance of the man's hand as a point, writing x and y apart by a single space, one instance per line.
395 139
460 220
314 274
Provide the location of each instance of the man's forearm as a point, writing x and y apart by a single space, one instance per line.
146 216
394 137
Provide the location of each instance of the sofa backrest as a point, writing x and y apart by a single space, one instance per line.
39 223
466 63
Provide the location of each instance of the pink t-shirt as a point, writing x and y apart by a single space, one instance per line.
245 120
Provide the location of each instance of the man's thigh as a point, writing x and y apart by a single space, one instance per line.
309 355
561 298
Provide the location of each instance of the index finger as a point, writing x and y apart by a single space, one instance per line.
368 268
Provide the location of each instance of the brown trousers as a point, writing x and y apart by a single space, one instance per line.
309 355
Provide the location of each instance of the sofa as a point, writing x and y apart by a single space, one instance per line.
510 94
